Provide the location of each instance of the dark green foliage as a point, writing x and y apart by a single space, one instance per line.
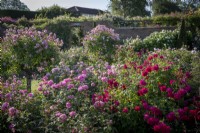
168 6
17 14
77 36
13 5
24 22
182 34
164 6
62 30
186 5
71 36
167 20
129 7
130 123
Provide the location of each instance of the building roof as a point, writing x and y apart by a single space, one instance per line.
83 10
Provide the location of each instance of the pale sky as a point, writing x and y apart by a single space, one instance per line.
35 4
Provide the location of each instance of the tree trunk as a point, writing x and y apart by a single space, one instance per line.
28 82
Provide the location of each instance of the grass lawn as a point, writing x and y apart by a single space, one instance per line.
34 85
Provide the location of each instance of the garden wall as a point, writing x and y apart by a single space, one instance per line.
142 32
125 32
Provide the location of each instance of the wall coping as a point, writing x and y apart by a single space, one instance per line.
133 28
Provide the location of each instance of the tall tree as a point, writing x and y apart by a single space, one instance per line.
188 4
13 5
52 11
167 6
164 6
129 7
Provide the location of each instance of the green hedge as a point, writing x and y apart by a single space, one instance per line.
17 14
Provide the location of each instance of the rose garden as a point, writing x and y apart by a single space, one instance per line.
102 84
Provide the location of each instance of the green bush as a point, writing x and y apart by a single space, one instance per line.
39 21
51 12
62 30
24 22
193 18
163 39
167 20
77 36
136 44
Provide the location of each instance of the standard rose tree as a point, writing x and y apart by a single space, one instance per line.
27 51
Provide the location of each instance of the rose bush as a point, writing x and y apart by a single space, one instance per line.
100 42
20 110
68 102
156 88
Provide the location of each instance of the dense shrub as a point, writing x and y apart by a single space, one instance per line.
135 44
24 22
163 40
68 100
56 26
77 36
20 110
51 12
167 20
39 21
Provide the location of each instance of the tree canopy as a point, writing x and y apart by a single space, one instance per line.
13 5
168 6
129 7
52 11
164 6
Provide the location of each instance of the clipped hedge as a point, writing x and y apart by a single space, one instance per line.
17 14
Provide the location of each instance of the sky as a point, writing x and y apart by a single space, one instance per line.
36 4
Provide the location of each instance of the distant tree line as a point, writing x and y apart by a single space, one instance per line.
131 8
125 8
